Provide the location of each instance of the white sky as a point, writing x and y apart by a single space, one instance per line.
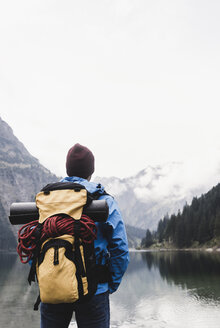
135 81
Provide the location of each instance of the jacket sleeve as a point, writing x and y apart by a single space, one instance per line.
117 244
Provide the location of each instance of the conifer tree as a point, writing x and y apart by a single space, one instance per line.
148 239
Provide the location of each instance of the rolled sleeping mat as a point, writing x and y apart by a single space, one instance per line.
22 213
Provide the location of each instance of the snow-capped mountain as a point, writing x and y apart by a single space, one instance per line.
147 197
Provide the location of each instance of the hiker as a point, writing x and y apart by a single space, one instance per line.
110 246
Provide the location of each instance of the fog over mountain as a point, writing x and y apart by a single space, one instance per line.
155 191
143 198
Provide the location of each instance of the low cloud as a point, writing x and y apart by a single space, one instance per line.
180 180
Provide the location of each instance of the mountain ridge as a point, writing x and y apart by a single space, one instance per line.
21 177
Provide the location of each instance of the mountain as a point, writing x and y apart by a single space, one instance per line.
135 236
21 177
156 191
144 198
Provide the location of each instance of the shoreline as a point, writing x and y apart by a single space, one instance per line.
164 249
154 249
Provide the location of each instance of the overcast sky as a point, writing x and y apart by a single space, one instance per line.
135 81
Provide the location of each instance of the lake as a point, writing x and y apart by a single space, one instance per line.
159 290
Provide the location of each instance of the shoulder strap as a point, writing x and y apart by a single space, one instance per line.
95 195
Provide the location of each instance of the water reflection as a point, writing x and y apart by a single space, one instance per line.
159 290
17 298
198 272
169 290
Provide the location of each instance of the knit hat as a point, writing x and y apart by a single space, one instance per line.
79 161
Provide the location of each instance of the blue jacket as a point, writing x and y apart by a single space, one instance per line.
111 243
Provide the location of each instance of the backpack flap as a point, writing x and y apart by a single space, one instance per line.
66 201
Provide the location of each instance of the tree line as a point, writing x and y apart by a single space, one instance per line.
197 223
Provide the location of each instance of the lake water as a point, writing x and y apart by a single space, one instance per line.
159 290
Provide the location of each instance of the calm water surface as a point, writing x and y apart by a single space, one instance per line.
159 290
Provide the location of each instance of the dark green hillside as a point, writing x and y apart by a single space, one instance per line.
196 225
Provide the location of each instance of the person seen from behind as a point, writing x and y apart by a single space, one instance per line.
111 245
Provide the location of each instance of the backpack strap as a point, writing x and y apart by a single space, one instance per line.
80 271
56 244
32 272
37 303
103 273
95 195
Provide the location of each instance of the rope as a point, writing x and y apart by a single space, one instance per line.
53 227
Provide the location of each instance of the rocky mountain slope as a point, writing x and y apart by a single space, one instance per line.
21 177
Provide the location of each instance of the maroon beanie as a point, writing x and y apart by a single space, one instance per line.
79 162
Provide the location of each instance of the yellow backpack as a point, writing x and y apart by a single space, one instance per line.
65 265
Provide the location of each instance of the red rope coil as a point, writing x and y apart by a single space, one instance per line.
53 227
